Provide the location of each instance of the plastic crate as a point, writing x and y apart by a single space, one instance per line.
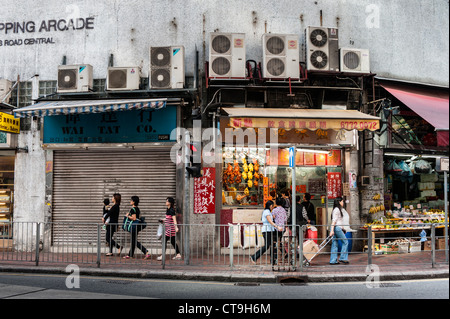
403 248
415 246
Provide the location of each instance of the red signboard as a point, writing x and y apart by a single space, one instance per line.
334 185
205 192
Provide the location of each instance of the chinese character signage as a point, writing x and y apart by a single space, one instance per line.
308 124
8 123
205 192
136 126
334 185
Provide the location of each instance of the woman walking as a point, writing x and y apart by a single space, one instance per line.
338 230
268 231
111 227
171 227
134 215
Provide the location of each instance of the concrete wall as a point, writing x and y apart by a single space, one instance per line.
408 39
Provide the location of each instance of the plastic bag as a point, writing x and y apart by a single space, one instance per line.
249 236
234 231
422 167
159 232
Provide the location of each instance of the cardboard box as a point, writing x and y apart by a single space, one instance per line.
310 248
427 245
440 244
389 249
6 244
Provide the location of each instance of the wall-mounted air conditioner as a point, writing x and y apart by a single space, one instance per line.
227 55
123 78
5 86
167 67
281 56
354 60
75 78
322 49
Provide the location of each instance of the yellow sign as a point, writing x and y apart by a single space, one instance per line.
8 123
310 124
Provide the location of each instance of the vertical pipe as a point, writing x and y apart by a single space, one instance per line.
446 214
369 245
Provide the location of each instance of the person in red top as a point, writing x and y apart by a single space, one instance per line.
171 227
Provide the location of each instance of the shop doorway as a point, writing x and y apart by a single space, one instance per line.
6 200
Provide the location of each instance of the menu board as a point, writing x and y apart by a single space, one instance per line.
334 185
317 186
205 192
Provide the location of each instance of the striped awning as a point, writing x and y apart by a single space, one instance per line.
49 108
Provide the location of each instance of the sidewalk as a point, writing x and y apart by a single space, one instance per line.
387 267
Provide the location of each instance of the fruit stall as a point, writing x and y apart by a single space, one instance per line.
401 231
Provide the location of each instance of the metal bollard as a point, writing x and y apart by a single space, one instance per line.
98 245
231 231
38 235
433 245
163 250
369 245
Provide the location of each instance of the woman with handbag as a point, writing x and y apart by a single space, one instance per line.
133 215
171 227
112 215
339 226
268 231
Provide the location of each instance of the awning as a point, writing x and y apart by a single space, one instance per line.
432 106
50 108
311 119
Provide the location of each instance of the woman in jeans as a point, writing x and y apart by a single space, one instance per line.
338 230
268 231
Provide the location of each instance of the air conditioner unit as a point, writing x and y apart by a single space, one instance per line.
75 78
123 78
227 55
281 56
167 67
354 60
322 49
5 86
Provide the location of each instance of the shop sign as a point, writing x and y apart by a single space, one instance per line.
334 185
204 192
8 123
137 126
309 124
444 164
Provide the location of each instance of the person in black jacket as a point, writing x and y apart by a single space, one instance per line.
111 227
310 211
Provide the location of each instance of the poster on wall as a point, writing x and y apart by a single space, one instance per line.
352 179
205 192
334 185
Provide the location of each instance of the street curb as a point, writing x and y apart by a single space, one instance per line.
234 277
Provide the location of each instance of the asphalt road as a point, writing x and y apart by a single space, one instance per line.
45 286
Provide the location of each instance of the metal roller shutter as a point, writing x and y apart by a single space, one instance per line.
82 179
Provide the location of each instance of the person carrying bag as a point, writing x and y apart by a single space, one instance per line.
133 225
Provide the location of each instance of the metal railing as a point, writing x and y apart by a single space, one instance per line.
229 246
